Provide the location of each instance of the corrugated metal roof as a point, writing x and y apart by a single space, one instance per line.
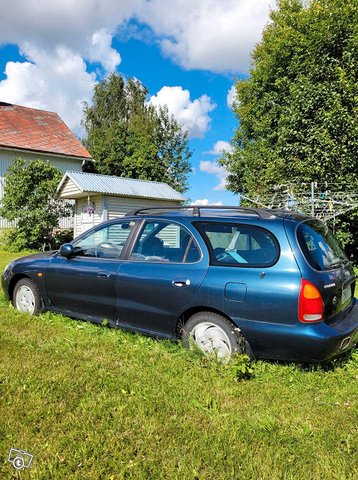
127 187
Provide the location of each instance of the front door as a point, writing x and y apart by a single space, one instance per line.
85 284
163 272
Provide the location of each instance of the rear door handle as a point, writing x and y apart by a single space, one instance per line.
103 275
181 283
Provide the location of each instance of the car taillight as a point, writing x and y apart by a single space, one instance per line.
310 303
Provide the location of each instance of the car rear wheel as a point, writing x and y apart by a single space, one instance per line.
27 297
214 335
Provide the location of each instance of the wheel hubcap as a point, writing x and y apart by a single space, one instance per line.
25 300
212 339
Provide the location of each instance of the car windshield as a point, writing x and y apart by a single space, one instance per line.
319 246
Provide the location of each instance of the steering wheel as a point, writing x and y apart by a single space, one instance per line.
107 245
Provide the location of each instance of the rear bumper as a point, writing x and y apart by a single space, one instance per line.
301 342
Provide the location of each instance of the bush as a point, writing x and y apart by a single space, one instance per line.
60 237
29 200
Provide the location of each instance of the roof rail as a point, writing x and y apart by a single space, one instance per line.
261 213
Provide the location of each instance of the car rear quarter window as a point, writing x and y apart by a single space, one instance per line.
321 249
239 245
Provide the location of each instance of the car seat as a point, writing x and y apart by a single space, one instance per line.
153 247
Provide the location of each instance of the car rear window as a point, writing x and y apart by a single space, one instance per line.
239 245
319 246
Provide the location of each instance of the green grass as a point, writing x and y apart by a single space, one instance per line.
94 403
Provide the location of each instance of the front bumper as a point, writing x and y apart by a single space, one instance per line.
5 281
301 342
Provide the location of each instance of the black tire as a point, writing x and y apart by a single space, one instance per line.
209 329
26 297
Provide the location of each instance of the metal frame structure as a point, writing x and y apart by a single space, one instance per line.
320 200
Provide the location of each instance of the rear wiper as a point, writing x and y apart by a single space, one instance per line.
338 263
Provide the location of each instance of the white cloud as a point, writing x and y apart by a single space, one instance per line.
85 27
220 147
57 82
217 170
101 50
56 37
193 115
207 34
231 97
206 202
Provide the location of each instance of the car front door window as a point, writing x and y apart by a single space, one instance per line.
107 242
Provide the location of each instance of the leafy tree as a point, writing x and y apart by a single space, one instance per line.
297 111
30 188
129 137
173 151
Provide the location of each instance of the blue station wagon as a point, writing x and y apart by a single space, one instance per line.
273 284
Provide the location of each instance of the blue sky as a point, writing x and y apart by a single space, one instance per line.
155 71
188 54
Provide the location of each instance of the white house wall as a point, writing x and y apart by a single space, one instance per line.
112 207
119 206
83 221
64 164
69 189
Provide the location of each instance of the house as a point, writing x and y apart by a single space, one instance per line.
37 134
104 197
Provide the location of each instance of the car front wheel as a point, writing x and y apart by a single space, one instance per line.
213 334
26 297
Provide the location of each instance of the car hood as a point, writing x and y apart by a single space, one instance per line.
36 256
35 259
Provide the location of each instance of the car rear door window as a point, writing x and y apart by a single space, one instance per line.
162 241
239 245
319 246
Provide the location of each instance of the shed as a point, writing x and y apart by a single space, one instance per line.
105 197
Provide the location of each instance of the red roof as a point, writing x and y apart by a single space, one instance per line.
37 130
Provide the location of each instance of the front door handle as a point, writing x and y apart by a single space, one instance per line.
103 275
181 283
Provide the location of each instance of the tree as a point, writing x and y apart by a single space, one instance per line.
129 137
298 108
30 188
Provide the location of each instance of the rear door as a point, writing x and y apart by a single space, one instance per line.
252 277
163 272
325 264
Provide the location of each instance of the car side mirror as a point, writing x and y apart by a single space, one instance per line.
67 250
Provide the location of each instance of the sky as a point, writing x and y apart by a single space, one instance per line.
188 53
